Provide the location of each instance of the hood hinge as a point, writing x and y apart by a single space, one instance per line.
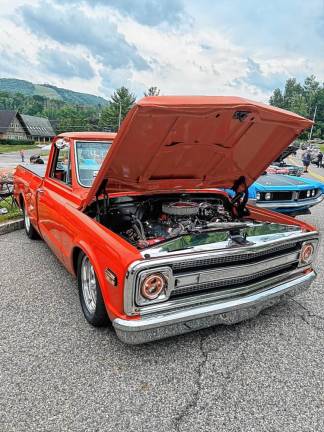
241 197
102 210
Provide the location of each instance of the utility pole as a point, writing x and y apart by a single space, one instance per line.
311 131
119 117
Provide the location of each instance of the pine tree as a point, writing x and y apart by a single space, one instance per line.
152 91
120 103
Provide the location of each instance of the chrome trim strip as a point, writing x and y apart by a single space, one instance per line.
161 325
221 248
203 276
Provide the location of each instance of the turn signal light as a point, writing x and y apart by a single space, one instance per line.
111 277
152 286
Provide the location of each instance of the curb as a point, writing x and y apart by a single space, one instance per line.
10 226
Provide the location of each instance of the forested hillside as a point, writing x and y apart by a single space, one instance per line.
62 115
72 117
27 88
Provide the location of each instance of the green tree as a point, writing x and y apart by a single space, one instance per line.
311 91
152 91
292 92
120 103
277 99
302 99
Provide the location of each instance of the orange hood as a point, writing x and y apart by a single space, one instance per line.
188 142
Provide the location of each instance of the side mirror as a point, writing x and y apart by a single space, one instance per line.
61 143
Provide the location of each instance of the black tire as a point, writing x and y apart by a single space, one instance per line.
94 312
29 229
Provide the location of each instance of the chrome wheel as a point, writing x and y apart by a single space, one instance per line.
89 285
27 220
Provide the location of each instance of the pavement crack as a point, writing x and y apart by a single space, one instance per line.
308 315
193 401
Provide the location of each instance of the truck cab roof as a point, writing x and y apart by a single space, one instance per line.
87 135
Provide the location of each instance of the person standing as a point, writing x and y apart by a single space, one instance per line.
306 160
320 159
22 155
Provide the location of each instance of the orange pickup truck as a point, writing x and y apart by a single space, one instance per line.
143 221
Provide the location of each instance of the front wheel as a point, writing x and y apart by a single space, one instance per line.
91 300
29 229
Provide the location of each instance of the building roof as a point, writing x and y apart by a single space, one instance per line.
37 126
6 117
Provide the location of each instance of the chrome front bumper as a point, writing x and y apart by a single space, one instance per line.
165 324
287 204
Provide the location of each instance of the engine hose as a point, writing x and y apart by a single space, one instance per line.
138 231
142 229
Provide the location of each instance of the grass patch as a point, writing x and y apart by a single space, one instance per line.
322 148
6 148
13 213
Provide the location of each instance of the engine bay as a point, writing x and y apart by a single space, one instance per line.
145 221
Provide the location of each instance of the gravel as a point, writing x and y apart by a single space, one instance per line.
57 373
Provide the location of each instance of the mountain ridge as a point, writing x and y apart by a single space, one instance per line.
27 88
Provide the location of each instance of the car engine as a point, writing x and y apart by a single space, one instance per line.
148 222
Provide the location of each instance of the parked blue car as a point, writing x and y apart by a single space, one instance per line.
285 193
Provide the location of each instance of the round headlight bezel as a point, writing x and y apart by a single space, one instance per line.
160 295
307 254
153 286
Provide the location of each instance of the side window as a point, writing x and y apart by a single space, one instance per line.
61 169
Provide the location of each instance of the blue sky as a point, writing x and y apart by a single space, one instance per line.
235 47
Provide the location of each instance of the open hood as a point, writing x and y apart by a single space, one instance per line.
173 143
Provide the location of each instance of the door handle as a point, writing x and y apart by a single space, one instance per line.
40 191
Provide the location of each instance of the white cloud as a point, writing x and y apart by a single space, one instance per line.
190 59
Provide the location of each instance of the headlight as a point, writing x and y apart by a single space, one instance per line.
152 286
308 194
307 253
267 196
313 192
258 196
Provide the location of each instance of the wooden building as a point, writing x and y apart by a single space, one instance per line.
37 128
11 127
16 126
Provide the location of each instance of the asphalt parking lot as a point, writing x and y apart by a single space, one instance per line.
59 374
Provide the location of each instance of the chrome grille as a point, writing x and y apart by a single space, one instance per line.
233 282
207 262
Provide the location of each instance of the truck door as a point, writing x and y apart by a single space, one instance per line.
52 197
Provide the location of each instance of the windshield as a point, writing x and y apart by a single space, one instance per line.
89 158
